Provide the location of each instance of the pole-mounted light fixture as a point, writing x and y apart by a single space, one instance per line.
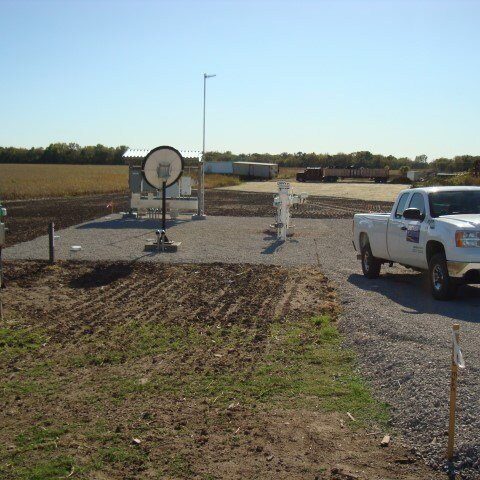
201 199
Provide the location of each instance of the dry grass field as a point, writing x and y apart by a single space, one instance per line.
19 181
215 180
288 172
22 181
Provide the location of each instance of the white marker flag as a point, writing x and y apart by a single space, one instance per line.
457 352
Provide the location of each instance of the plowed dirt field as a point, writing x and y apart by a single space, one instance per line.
135 370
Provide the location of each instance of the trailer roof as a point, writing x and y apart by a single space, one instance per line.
255 163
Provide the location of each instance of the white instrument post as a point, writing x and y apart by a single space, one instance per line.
283 201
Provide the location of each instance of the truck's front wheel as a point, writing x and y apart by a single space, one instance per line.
370 264
442 285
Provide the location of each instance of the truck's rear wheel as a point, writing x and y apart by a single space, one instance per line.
442 285
370 264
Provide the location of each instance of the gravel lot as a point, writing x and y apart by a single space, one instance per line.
401 334
218 239
403 338
361 191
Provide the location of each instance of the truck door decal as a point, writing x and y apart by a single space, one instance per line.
413 233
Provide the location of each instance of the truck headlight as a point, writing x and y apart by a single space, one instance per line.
467 238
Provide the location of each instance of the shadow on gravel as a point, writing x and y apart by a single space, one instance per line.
412 292
275 246
115 224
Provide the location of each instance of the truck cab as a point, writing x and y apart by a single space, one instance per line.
435 229
310 174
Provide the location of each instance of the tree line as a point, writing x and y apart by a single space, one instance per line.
72 153
69 153
365 159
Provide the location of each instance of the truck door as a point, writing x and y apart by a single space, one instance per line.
397 231
416 234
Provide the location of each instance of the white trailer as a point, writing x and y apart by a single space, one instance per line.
255 170
224 168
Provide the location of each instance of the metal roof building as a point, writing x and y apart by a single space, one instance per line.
137 153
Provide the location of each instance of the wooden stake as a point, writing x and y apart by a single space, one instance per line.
453 396
51 242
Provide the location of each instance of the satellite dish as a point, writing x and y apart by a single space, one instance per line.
162 165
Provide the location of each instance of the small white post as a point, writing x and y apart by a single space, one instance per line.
284 214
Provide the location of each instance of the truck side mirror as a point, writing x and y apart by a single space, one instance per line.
413 214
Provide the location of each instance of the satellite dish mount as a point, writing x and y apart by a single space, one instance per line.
162 167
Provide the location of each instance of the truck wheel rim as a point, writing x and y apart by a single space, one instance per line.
366 260
438 277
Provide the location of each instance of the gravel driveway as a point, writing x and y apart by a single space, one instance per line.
360 191
402 336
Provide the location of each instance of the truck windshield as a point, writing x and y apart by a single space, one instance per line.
455 202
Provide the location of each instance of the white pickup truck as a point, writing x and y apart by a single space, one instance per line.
434 229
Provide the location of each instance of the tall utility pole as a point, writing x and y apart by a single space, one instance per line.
201 177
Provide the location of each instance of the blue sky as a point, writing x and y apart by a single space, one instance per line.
392 77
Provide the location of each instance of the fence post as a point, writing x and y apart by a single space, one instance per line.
1 286
51 242
1 268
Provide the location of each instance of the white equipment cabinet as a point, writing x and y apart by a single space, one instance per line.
179 195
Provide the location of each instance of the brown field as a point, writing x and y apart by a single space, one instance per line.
242 376
22 181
